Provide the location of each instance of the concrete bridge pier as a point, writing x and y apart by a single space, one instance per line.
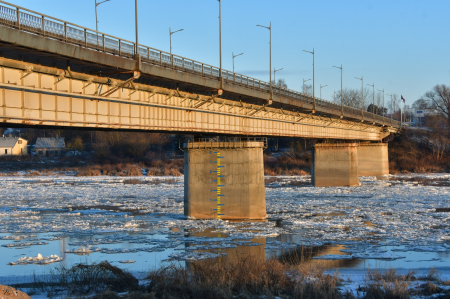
224 179
373 159
335 164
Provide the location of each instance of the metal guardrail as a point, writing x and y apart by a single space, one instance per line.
27 20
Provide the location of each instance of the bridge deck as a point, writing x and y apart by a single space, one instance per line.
171 93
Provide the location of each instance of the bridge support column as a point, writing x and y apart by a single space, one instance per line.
335 164
373 159
224 180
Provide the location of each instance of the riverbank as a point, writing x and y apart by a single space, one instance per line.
244 277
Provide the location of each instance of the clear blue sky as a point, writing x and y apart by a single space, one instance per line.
402 46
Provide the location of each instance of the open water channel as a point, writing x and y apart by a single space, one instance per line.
400 222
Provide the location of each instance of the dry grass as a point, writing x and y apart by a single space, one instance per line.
244 277
387 285
83 279
247 277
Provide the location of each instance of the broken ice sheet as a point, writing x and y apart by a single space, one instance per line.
39 259
127 262
25 244
333 257
194 255
84 250
400 214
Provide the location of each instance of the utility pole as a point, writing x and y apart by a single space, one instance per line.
391 107
304 84
274 72
342 95
96 20
270 63
314 94
362 97
321 90
382 109
232 55
220 46
373 104
170 34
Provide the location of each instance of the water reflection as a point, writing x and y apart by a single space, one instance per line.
234 253
298 255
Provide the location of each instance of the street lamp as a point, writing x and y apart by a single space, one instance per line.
304 84
170 33
391 107
314 95
96 20
373 104
382 109
342 99
232 54
362 97
220 42
137 35
274 72
321 90
270 64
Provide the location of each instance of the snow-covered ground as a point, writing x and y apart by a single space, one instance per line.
137 223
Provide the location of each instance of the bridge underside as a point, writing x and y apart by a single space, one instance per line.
34 95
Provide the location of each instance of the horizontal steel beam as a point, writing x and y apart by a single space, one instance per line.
185 76
35 99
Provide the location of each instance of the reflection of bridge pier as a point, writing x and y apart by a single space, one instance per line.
224 179
239 252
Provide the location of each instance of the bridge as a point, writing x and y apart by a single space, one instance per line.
58 74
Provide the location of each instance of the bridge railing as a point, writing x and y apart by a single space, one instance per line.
27 20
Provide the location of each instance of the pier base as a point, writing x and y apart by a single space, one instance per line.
224 180
373 159
335 164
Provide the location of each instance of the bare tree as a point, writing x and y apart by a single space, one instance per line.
438 136
281 83
439 98
307 89
351 97
421 104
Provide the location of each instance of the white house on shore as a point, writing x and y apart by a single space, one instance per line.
13 146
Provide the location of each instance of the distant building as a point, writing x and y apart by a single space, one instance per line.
13 146
50 147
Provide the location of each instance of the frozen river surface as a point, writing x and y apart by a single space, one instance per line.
137 223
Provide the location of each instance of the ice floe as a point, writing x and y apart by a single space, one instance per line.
39 259
92 214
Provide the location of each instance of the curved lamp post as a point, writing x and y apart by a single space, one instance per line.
274 72
321 90
342 96
373 103
362 97
96 20
170 33
232 54
314 95
270 63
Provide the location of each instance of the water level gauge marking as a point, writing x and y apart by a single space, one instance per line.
218 190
